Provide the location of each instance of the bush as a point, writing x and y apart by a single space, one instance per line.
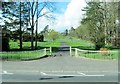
104 51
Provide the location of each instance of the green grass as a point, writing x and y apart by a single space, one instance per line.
50 44
78 43
29 54
23 54
98 55
27 45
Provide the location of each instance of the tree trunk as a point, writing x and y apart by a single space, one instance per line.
32 31
20 30
36 27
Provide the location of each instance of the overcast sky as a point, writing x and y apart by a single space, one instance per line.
68 14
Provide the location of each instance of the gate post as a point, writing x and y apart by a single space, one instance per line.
76 52
45 51
50 50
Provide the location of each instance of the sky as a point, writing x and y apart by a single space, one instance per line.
67 14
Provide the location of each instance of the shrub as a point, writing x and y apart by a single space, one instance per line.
104 52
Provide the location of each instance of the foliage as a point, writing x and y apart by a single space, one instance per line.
18 16
99 24
5 40
53 35
105 52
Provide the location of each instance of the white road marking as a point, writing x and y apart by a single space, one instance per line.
80 71
82 74
90 75
58 73
43 73
5 72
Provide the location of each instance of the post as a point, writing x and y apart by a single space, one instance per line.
70 51
50 50
45 51
76 52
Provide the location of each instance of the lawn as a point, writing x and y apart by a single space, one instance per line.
50 43
23 54
78 43
97 55
27 53
112 55
27 45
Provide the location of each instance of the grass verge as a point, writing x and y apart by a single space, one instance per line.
22 55
98 55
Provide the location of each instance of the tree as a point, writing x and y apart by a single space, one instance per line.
18 16
15 17
5 39
36 25
72 32
45 31
20 29
66 32
53 35
100 23
94 20
112 28
82 32
36 9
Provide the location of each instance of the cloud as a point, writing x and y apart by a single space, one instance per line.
73 14
71 17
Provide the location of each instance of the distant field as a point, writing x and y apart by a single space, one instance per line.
27 45
83 44
50 44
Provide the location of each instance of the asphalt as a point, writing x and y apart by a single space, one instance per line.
60 68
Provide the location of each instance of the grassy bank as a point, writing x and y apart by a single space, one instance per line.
111 55
22 55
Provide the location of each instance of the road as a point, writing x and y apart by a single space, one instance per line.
60 68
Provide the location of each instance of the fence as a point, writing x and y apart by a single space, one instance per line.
109 54
19 55
48 51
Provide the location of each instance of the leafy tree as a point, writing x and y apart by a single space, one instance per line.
112 28
66 32
19 15
94 19
100 23
82 32
45 31
15 17
53 35
5 39
72 32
